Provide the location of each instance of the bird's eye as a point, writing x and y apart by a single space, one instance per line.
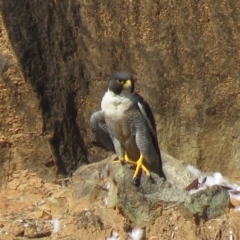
120 81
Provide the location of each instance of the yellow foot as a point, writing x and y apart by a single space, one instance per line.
125 159
116 160
139 164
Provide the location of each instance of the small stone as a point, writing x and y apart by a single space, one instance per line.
118 191
17 230
208 203
40 229
235 202
13 184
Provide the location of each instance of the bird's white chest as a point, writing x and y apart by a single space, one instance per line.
116 106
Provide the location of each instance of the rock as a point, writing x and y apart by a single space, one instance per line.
176 172
17 229
109 184
235 202
38 229
208 203
87 219
112 183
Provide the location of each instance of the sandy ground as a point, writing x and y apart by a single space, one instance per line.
33 209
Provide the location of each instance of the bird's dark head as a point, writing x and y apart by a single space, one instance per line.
121 82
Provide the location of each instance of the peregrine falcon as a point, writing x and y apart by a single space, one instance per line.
126 125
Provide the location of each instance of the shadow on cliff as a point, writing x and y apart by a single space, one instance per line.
43 37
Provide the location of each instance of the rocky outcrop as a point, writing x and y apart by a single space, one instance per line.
185 58
110 183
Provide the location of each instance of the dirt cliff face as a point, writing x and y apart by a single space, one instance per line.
43 40
22 145
184 56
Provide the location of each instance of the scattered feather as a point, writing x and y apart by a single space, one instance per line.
215 179
136 234
237 209
234 194
230 235
56 225
25 225
205 181
108 185
115 236
106 201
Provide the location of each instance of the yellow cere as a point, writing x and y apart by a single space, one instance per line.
128 83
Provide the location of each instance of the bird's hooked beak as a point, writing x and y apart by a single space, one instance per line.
127 85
